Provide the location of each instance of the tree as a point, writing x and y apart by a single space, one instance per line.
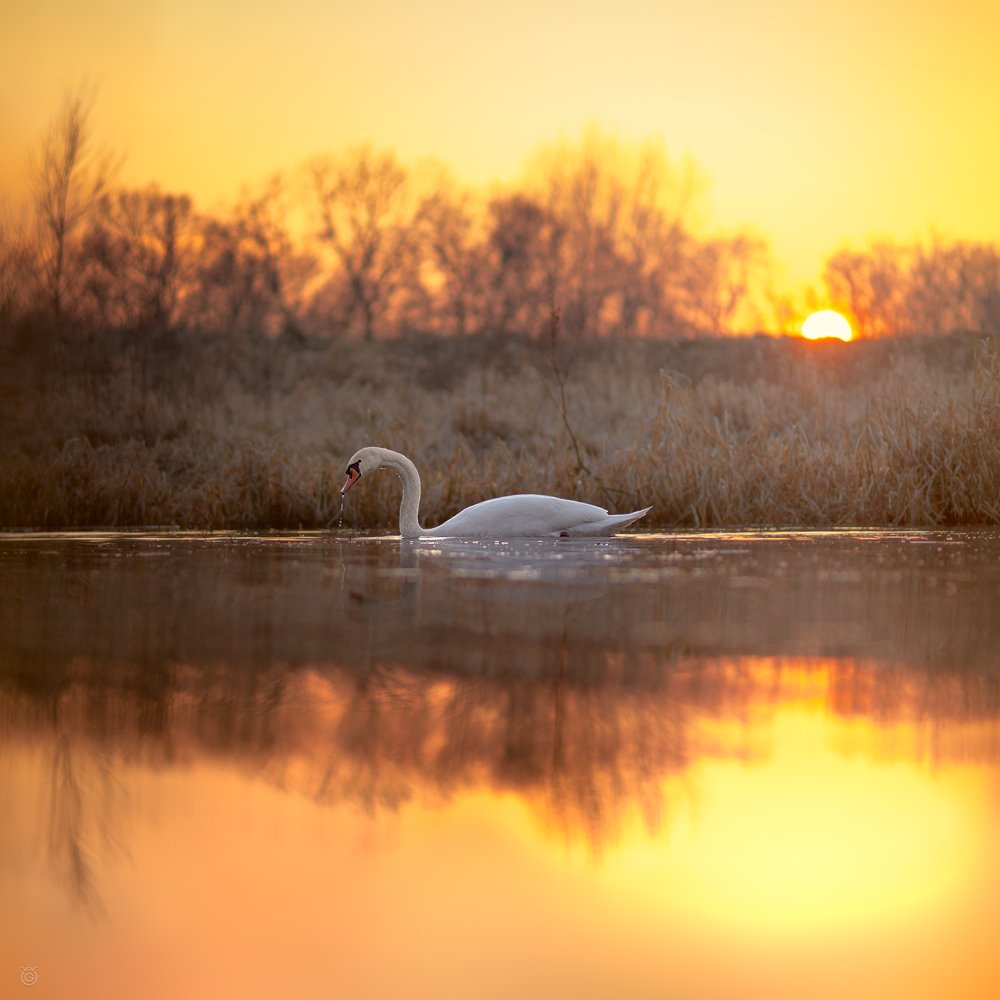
69 179
248 275
522 240
619 221
363 205
137 250
723 276
17 266
954 287
870 287
267 243
455 257
913 289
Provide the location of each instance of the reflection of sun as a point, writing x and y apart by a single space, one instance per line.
827 323
813 841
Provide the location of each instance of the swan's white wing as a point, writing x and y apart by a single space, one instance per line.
608 525
530 515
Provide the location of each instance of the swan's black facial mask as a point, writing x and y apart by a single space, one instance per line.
353 475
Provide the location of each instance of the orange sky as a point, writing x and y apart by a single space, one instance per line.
816 123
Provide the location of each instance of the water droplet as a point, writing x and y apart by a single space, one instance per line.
340 523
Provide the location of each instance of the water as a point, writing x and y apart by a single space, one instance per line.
734 765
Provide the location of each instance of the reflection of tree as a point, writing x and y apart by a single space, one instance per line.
590 755
83 819
368 763
583 754
423 671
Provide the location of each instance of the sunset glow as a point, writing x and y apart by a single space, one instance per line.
204 98
827 324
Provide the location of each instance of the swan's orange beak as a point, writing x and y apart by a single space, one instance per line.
353 475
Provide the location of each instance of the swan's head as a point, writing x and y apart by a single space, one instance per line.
361 463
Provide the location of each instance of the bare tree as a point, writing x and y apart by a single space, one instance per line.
722 277
522 242
266 241
137 248
456 257
954 286
17 266
582 190
364 208
248 275
619 213
871 287
224 294
897 289
69 179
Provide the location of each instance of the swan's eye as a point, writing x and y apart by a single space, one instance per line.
353 468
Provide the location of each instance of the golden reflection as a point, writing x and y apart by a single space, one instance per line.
592 759
744 802
812 838
390 754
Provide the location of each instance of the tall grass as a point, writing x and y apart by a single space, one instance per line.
208 433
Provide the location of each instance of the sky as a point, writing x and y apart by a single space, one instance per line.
816 125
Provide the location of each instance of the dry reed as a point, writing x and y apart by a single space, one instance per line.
753 431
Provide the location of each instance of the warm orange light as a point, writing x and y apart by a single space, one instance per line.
827 323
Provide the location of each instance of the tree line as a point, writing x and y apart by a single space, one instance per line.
916 289
359 244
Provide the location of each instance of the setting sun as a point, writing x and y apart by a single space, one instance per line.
827 323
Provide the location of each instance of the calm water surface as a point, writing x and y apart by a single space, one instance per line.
734 765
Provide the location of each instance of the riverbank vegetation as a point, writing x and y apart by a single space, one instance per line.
202 432
572 335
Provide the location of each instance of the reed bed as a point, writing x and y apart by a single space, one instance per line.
759 431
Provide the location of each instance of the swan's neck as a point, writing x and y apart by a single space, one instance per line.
409 526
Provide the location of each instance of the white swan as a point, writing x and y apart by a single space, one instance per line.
526 515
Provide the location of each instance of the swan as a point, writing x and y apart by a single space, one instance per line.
525 515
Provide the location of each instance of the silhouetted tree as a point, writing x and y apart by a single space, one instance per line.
723 275
954 287
266 241
895 288
362 202
69 179
621 258
454 257
137 252
521 240
583 191
870 287
227 293
18 267
248 275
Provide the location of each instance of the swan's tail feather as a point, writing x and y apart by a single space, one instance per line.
609 525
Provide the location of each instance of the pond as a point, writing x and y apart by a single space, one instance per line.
752 764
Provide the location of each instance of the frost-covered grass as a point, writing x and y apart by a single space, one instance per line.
752 431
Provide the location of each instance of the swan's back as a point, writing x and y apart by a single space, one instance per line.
530 515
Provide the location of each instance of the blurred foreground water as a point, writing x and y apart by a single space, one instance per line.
314 765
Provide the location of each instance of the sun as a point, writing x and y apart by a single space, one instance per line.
827 323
